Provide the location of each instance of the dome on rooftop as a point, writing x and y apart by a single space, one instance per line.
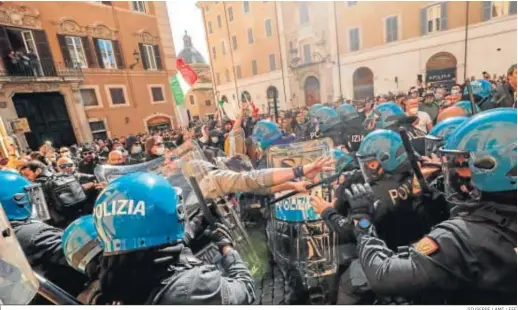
189 53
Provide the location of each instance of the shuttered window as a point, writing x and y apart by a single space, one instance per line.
107 55
157 94
89 97
76 51
354 39
391 29
117 96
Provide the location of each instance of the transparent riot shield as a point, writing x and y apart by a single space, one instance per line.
166 166
18 285
298 238
39 209
226 207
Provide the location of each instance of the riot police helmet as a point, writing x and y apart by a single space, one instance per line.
138 211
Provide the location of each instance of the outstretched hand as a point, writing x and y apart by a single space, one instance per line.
322 164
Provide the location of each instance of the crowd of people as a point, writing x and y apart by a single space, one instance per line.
425 193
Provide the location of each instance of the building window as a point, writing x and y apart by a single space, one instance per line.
76 51
223 48
391 29
98 129
271 58
351 3
268 27
307 53
107 55
157 93
230 14
234 42
246 6
219 21
254 67
218 78
117 95
499 8
149 57
209 25
208 102
238 72
433 18
191 99
139 6
90 96
250 36
303 13
354 39
227 75
213 52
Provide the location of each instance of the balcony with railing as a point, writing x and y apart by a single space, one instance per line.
39 71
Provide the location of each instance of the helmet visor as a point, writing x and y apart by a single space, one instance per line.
458 185
39 208
432 145
370 168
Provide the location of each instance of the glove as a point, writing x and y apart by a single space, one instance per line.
361 201
220 236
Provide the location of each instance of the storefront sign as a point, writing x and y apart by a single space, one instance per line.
446 76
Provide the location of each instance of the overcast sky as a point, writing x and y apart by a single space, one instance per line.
184 15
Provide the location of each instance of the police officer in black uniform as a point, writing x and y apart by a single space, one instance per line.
40 242
470 258
145 258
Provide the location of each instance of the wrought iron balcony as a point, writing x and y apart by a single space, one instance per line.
39 71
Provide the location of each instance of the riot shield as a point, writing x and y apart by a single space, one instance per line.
225 207
18 285
165 166
298 238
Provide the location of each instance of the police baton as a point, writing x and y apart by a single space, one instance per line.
471 97
207 214
412 157
293 193
54 293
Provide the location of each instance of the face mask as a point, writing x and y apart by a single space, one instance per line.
438 97
361 110
136 150
214 139
413 111
160 150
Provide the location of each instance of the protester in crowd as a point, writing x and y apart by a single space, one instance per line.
429 105
505 94
154 148
423 122
90 160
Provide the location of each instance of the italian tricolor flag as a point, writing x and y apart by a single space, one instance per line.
182 82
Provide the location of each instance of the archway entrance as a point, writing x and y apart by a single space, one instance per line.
272 94
441 70
312 90
158 123
363 83
48 119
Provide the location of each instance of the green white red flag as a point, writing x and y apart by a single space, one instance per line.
183 81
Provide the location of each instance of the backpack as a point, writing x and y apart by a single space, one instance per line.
64 191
